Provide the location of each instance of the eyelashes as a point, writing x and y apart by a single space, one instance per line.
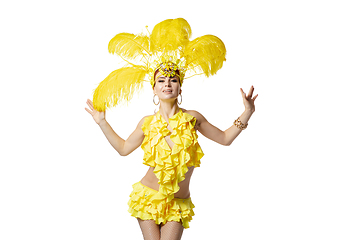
172 80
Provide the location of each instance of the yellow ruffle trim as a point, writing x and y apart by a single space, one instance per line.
171 165
146 203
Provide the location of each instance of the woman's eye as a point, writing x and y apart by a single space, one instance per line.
174 80
160 80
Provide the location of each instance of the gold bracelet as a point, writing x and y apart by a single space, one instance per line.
239 124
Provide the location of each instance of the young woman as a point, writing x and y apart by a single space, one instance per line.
161 200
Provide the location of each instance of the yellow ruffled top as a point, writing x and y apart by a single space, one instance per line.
171 164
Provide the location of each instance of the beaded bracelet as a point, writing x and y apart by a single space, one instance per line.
239 124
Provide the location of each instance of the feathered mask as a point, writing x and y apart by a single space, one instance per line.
167 49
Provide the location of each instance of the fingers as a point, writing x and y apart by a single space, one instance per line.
242 92
90 104
251 91
88 111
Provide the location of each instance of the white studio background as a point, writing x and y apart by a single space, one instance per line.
292 174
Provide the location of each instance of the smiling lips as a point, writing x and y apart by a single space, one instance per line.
167 91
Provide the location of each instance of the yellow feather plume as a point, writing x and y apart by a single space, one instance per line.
168 41
119 86
129 45
205 54
169 35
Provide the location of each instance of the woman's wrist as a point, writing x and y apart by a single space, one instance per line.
245 116
102 122
250 110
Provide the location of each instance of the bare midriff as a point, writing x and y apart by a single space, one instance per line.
150 180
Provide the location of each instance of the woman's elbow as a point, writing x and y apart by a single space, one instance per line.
123 150
123 153
224 143
227 143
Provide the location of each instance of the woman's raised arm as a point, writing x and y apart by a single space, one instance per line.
228 136
123 147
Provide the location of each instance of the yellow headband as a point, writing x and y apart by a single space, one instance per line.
168 69
167 49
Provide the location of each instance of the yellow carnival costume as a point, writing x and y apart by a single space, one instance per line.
167 50
170 166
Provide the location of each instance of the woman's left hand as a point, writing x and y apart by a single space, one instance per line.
249 100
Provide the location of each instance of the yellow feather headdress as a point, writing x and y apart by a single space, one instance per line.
166 49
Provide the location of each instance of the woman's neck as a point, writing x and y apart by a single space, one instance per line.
168 109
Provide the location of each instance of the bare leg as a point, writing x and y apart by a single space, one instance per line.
171 231
150 230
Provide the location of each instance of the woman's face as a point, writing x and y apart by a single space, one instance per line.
167 87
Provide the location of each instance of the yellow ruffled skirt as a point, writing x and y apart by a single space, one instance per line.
146 203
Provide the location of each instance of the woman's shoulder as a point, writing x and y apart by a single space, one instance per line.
198 117
144 122
147 118
193 113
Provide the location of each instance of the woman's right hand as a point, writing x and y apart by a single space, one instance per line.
97 116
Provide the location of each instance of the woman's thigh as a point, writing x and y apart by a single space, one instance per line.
171 231
149 229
